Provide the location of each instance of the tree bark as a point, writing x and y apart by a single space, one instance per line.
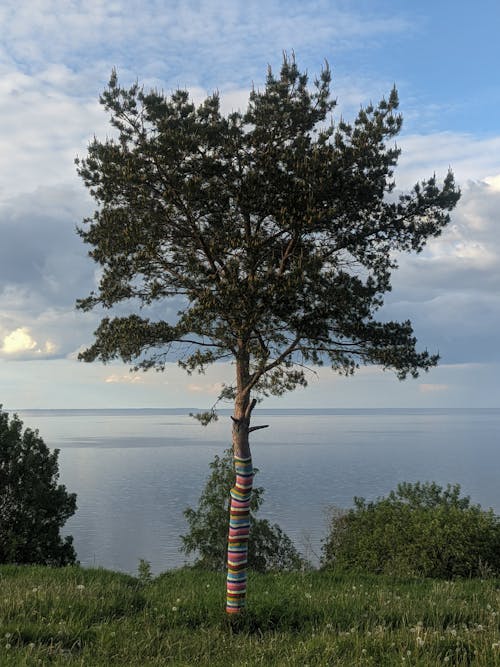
241 492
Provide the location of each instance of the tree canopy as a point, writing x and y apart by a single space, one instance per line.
273 232
33 506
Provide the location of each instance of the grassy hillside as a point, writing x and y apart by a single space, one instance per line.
76 616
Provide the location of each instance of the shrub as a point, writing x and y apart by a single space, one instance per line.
33 507
420 529
269 548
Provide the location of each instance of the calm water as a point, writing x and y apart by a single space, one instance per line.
135 471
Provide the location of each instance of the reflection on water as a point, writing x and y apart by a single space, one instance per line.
135 471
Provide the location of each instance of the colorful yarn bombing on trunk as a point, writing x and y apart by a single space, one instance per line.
239 528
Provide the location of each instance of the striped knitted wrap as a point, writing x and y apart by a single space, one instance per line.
239 528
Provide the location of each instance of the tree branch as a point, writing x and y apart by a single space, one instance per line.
265 369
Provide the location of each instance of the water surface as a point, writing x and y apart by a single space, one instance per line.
135 471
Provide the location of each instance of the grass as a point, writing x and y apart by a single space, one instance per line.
76 616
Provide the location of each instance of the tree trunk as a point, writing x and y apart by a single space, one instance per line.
239 514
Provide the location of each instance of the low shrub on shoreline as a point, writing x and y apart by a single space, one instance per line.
420 529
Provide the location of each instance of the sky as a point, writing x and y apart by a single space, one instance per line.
56 57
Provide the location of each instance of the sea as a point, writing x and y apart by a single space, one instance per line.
135 471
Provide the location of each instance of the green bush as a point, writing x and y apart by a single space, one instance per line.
33 507
420 530
269 548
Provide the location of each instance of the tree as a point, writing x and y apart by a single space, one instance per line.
269 548
33 506
272 232
418 530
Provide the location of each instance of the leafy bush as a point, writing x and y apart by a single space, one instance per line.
418 530
33 507
269 548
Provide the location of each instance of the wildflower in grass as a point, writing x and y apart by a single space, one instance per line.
80 587
308 596
175 608
420 641
7 646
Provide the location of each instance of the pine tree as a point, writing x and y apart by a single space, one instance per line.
272 232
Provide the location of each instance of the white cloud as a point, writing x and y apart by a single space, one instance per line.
493 182
432 388
44 126
207 388
55 30
17 341
20 344
471 158
128 378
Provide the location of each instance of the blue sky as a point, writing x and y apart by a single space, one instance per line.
55 60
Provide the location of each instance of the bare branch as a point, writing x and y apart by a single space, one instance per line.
250 408
257 428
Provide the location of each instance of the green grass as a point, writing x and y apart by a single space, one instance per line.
75 616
